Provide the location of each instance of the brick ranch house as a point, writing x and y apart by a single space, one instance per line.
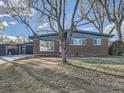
83 43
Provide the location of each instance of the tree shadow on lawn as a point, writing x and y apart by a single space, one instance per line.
91 61
53 60
85 61
65 83
80 67
101 61
56 81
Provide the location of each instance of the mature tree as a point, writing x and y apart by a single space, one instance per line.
22 39
56 12
2 26
4 39
115 13
62 20
21 12
1 39
96 15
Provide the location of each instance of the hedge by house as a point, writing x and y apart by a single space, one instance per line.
116 48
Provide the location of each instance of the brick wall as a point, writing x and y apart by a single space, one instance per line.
89 49
36 49
75 50
36 46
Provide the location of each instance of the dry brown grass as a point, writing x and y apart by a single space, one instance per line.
47 75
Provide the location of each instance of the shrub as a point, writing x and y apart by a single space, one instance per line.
116 48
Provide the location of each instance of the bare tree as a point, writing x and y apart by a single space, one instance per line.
21 12
18 40
5 39
96 15
115 13
56 13
2 26
21 39
1 39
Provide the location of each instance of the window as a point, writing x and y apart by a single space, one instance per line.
97 41
78 41
23 49
46 45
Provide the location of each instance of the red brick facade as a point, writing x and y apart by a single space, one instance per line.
36 49
75 50
36 46
89 49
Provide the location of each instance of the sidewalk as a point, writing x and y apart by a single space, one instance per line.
5 59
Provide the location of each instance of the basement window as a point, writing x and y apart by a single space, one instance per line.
46 45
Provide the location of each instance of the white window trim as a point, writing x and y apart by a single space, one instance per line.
98 43
47 49
78 41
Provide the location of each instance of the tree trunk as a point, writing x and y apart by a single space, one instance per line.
118 30
64 51
64 56
65 42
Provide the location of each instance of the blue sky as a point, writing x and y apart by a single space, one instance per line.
19 28
14 28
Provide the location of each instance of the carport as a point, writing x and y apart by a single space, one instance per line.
9 49
15 49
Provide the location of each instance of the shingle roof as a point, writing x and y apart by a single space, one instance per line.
94 33
55 35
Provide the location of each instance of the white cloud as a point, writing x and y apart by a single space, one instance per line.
88 28
13 23
109 28
5 23
4 15
43 26
10 37
2 3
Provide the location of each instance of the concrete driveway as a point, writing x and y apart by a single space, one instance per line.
5 59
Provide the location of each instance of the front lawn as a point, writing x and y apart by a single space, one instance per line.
47 75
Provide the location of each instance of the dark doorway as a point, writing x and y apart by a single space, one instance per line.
12 51
29 49
2 50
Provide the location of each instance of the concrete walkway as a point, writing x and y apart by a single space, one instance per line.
5 59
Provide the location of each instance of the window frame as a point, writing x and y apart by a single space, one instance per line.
45 46
78 41
98 41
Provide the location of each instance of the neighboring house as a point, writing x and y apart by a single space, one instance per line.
83 43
